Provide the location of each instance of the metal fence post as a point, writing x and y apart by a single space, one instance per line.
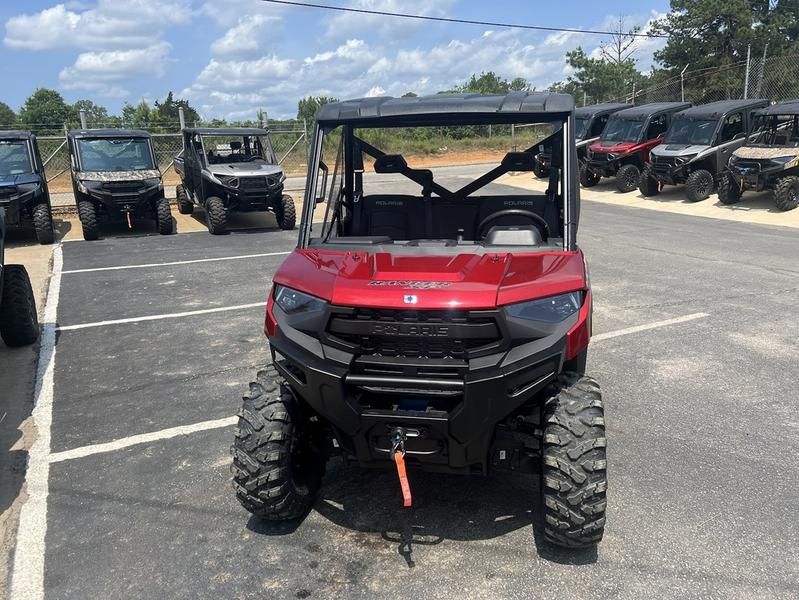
748 63
305 138
82 113
182 118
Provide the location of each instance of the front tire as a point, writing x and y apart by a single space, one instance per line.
163 216
88 220
647 185
43 223
699 185
786 193
729 192
588 178
19 325
627 178
276 467
287 213
574 469
185 206
216 216
539 170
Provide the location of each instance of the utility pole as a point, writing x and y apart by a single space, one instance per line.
682 82
746 77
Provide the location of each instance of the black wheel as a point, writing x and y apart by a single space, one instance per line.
648 185
574 463
729 192
786 193
277 466
43 223
699 185
185 206
286 214
19 325
540 170
88 220
216 215
588 178
163 216
627 178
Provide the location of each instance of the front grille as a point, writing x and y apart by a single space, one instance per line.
252 183
123 187
751 166
414 333
600 156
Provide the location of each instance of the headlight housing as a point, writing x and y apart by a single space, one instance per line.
612 156
153 182
784 159
228 180
294 302
681 160
553 309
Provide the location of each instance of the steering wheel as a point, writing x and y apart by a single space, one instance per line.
538 221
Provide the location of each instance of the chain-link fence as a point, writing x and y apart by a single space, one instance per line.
290 145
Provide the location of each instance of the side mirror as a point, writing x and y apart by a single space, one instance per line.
321 186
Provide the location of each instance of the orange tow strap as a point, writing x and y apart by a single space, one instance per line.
399 459
130 224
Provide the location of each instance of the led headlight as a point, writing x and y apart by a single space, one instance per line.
612 156
228 180
549 310
681 160
783 159
292 301
153 182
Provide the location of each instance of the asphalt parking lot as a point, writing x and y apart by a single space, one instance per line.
695 347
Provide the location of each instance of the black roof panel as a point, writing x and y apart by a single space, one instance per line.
421 109
225 131
645 110
106 133
789 107
716 110
600 109
16 134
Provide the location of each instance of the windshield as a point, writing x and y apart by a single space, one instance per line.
14 158
393 185
580 127
775 130
226 149
115 154
691 132
620 129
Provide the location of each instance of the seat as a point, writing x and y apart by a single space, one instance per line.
396 216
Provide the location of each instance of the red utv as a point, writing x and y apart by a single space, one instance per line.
431 324
623 148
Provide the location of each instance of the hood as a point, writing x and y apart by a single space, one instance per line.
252 169
21 179
605 146
678 149
118 175
462 281
761 153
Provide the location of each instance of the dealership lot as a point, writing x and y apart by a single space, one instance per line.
695 348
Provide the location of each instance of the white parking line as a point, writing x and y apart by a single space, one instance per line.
177 315
176 262
27 580
141 438
647 326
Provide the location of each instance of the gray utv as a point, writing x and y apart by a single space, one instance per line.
115 178
769 160
589 121
226 170
697 147
23 185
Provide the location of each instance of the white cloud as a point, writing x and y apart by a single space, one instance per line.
347 24
246 37
110 24
244 74
375 91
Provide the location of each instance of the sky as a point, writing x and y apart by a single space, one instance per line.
231 57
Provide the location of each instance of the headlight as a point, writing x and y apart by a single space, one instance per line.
82 187
153 182
228 180
549 310
784 159
292 301
612 156
681 160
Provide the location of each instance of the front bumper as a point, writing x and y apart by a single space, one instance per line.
123 197
752 175
17 205
450 407
253 198
603 166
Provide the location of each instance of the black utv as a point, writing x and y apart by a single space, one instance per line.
226 170
19 325
589 121
23 185
697 146
769 160
115 178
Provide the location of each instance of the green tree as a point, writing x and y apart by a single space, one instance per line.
491 83
45 111
410 95
598 79
141 115
166 114
96 115
8 117
308 107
